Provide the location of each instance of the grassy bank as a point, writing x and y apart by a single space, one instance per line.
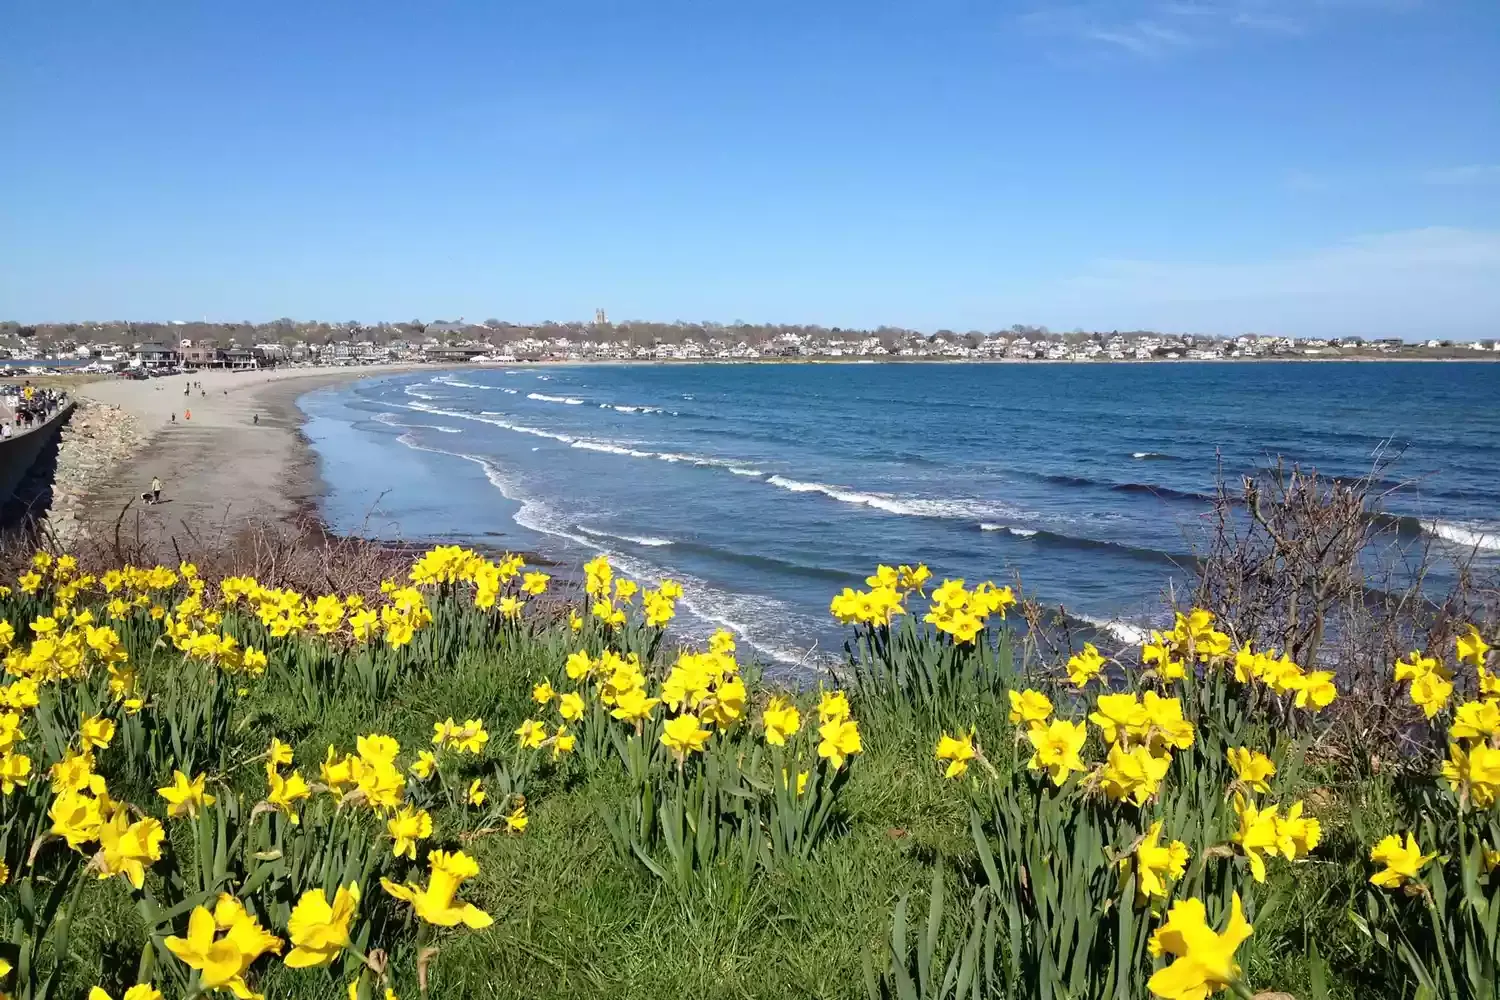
951 815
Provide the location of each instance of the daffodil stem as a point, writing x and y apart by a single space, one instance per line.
1442 944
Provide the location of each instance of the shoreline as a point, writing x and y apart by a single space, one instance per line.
229 454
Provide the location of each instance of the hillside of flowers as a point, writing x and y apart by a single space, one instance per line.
476 783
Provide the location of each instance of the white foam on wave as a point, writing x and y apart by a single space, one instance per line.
1135 635
493 420
906 506
412 390
450 380
645 540
624 408
543 397
612 449
1018 532
1467 535
389 419
511 391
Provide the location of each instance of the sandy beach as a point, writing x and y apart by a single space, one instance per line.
219 466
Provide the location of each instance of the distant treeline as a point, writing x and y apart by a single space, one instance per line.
493 331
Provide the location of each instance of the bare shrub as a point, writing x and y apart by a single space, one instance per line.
1315 567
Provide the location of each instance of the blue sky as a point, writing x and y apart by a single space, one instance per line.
1299 166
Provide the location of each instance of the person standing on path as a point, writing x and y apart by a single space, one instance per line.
156 489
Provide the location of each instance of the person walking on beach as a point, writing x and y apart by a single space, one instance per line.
156 489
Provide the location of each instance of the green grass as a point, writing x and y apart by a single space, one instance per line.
575 919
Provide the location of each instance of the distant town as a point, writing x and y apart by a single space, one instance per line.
181 345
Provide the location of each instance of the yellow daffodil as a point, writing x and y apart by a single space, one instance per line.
516 820
1475 774
126 848
1164 721
543 693
1297 835
1251 768
140 991
958 751
1475 720
570 706
837 740
285 793
1159 655
1203 959
96 732
222 961
435 903
1417 665
1027 707
320 930
1085 666
781 720
1135 774
1471 647
15 770
1315 691
684 735
185 796
76 817
278 754
476 795
1057 748
632 705
1430 693
1156 865
406 827
530 734
471 736
424 766
1116 714
1403 862
833 707
1257 834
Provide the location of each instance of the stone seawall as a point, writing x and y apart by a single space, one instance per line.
18 453
99 440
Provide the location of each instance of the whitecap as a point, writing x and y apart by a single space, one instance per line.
1468 534
907 506
1135 635
645 540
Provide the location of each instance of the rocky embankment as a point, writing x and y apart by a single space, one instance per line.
95 442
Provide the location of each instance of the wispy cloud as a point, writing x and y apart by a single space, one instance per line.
1436 281
1158 28
1474 173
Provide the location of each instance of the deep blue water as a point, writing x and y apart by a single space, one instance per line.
766 488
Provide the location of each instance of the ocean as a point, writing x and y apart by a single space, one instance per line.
766 488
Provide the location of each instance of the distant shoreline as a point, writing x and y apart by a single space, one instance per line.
1488 358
